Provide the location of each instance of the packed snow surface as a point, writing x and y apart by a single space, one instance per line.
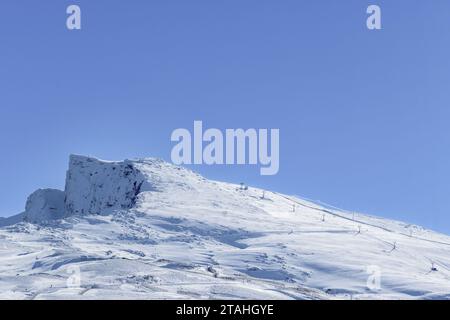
146 229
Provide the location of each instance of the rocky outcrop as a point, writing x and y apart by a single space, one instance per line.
44 205
94 186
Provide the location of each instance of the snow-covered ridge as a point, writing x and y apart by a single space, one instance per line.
96 186
148 229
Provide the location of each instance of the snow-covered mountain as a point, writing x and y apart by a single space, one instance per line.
146 229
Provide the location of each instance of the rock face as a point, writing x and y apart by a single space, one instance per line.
94 186
44 205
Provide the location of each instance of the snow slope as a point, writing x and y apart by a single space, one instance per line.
146 229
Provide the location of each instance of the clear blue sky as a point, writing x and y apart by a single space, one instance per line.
364 115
